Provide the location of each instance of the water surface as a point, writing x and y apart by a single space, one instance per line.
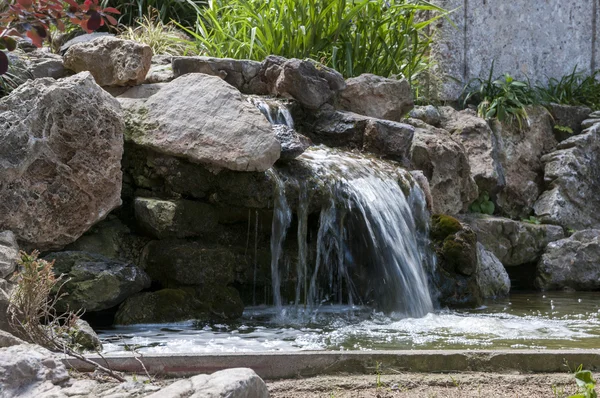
527 320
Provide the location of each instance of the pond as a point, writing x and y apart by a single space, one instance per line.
554 320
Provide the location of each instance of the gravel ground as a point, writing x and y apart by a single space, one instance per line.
414 385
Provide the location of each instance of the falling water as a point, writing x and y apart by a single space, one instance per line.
370 245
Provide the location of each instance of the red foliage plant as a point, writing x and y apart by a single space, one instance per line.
32 19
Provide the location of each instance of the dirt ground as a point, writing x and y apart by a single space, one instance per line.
414 385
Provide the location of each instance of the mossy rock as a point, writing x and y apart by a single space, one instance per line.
459 252
443 226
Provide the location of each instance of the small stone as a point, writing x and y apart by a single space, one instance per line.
9 253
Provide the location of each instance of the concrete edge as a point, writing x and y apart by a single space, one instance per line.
287 365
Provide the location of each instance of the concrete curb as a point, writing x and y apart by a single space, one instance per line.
286 365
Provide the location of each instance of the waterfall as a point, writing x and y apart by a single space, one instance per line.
371 244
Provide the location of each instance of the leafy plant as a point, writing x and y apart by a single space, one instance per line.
502 98
586 384
563 129
163 38
483 204
532 220
182 11
33 18
576 88
383 37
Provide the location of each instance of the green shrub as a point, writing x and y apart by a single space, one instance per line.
483 205
575 88
386 38
502 98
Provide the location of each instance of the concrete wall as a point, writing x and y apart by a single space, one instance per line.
534 38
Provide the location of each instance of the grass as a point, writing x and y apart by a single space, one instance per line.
163 38
387 38
576 88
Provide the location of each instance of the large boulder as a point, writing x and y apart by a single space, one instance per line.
445 164
480 144
309 83
94 282
571 263
242 74
9 340
513 242
205 120
231 383
457 272
9 253
492 277
28 370
61 144
112 61
572 176
377 96
175 219
521 152
178 305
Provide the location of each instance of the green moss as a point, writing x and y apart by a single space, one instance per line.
443 226
460 252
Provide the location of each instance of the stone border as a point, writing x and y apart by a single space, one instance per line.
285 365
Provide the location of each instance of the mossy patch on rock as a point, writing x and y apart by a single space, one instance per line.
443 226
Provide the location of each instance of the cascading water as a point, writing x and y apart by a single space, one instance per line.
368 247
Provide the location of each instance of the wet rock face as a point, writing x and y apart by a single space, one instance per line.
456 275
571 263
61 144
377 97
112 61
445 164
203 119
572 176
95 282
513 242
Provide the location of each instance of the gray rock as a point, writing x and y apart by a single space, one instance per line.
311 84
292 143
175 219
242 74
513 242
377 96
61 144
573 182
9 253
388 138
230 383
480 144
586 124
82 38
6 289
28 370
572 263
428 114
8 340
112 61
521 157
85 337
492 277
445 164
595 115
204 120
159 74
95 282
568 116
